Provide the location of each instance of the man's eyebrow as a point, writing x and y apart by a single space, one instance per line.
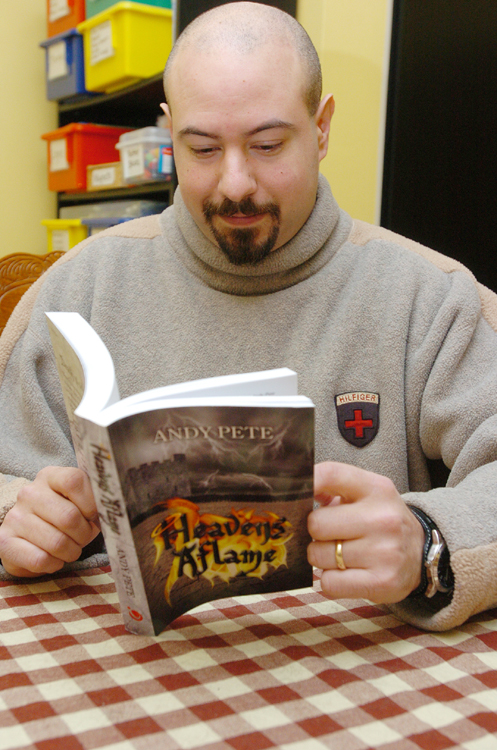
196 131
270 125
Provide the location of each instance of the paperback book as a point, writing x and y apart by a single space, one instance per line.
202 488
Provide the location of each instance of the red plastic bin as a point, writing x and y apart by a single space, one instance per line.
73 147
63 15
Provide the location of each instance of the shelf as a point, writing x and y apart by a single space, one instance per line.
159 191
134 106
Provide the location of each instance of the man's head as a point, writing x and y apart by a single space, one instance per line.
243 87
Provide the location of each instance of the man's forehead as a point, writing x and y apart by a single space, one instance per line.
205 79
191 65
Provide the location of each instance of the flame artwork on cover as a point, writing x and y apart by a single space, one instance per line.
244 543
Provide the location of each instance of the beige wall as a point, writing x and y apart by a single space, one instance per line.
24 115
352 38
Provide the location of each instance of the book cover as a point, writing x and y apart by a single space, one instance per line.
217 499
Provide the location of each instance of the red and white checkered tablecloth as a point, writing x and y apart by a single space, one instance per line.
292 670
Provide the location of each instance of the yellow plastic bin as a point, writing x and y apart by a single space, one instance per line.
63 234
124 44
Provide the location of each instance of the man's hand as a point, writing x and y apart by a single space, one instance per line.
382 541
53 519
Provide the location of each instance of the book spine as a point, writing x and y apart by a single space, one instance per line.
116 529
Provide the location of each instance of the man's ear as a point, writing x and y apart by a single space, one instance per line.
167 112
323 121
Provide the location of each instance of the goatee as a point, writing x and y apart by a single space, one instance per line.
240 245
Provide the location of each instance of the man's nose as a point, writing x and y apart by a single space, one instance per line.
236 180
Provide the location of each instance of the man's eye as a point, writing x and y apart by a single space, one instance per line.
203 150
268 148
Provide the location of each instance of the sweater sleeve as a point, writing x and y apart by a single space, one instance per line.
36 430
455 420
32 409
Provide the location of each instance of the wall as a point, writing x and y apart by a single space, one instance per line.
352 38
24 115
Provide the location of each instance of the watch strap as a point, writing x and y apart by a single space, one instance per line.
436 573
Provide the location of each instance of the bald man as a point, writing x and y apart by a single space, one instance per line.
255 266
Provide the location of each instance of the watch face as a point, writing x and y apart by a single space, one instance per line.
445 574
434 567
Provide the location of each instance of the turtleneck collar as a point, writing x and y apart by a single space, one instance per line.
306 253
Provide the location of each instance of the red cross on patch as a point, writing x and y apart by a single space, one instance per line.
358 415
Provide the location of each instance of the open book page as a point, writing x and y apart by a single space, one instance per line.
126 408
77 342
86 372
74 340
277 382
72 380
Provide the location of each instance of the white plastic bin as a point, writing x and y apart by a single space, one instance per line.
146 155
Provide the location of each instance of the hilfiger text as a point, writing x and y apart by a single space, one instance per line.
348 398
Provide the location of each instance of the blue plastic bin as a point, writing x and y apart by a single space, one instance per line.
64 65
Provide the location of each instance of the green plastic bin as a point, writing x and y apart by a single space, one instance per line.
97 6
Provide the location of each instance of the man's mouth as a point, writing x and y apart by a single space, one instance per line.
241 220
246 213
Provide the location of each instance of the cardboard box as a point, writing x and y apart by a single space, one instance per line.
104 176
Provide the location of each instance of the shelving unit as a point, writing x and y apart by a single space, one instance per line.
135 106
153 191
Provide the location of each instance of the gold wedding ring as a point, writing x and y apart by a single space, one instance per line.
339 557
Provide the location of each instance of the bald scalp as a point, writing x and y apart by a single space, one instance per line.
246 27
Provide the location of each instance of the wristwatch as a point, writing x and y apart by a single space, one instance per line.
436 573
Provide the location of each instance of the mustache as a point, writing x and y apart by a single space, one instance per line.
247 207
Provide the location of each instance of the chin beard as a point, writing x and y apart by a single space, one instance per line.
240 246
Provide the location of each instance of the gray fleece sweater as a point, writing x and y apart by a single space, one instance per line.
353 308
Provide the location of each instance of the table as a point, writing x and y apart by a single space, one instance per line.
290 670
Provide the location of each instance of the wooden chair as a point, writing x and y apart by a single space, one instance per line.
17 273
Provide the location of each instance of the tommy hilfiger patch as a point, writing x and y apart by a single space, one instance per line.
358 415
